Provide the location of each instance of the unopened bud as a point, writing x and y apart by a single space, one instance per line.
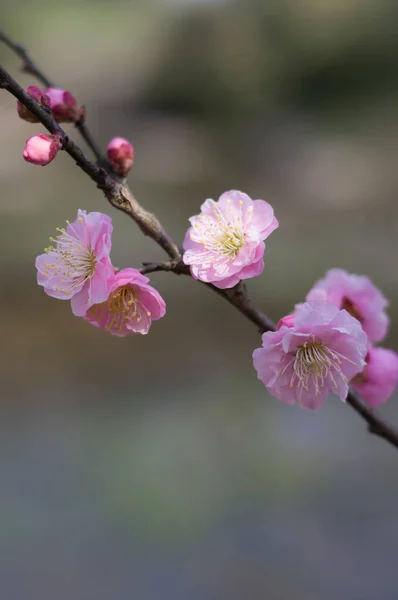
37 94
120 155
41 149
287 321
63 105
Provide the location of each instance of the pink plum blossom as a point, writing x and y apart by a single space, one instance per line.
41 98
379 378
120 155
226 241
76 266
131 306
320 353
63 105
41 149
359 296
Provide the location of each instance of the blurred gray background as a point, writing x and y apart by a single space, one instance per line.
158 467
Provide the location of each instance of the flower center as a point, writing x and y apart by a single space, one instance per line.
121 307
350 308
223 233
70 260
317 364
231 242
123 301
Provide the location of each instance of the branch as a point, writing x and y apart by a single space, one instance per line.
376 424
237 296
118 194
29 66
177 266
121 198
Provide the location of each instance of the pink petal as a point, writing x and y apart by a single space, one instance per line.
80 301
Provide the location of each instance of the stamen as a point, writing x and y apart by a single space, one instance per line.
69 260
220 233
121 308
317 364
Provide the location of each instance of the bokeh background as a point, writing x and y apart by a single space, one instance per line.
158 467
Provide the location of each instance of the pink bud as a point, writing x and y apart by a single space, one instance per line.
287 321
120 155
41 149
37 94
63 105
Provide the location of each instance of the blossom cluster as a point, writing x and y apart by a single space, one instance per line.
327 342
77 267
324 345
41 149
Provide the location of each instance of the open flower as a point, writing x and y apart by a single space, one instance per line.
319 353
359 297
226 241
379 378
76 266
131 306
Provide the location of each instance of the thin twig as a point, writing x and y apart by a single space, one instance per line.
118 194
238 297
121 198
177 266
88 138
29 66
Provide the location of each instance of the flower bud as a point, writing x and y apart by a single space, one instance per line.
287 321
120 155
37 94
63 105
41 149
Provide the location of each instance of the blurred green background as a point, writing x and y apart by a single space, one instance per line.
158 466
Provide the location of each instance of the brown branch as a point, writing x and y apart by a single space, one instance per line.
376 424
177 266
118 194
120 197
29 66
237 296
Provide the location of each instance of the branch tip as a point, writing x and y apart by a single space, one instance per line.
120 197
